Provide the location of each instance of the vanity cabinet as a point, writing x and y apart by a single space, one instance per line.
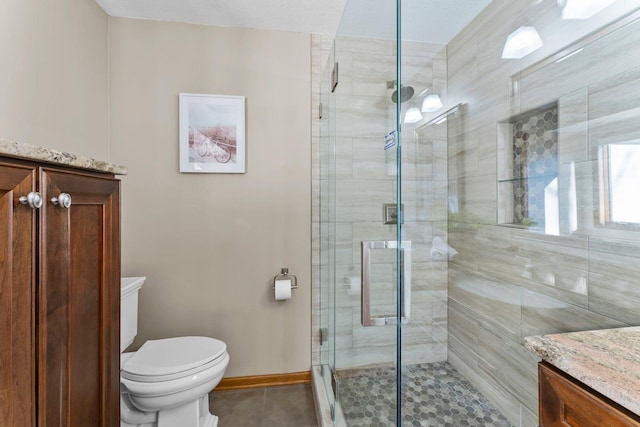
59 296
566 402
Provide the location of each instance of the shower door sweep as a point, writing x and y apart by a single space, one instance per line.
367 319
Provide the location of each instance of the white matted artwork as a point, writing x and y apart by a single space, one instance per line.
212 138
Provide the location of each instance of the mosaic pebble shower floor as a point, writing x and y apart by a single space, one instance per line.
434 395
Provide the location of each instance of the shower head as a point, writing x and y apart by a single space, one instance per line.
406 93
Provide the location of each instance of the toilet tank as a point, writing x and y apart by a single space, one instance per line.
129 287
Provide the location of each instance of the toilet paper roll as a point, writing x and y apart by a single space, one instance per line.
283 289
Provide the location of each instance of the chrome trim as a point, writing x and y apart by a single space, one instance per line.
366 246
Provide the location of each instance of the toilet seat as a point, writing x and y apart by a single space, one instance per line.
173 358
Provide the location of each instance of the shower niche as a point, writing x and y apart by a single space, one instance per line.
528 170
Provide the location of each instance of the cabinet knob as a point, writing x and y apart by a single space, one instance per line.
33 199
63 200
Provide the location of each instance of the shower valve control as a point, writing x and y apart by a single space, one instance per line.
390 214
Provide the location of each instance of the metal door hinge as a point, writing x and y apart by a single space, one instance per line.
324 332
334 77
320 110
334 384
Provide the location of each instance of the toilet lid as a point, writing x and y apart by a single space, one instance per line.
174 355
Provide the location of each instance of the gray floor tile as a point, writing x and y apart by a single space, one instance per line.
286 406
290 406
242 408
434 395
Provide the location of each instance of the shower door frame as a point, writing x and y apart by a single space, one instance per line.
328 235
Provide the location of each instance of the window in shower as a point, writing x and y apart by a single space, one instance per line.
619 175
528 183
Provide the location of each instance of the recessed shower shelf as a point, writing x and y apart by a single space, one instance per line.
528 167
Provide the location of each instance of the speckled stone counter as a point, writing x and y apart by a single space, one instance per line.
41 154
606 360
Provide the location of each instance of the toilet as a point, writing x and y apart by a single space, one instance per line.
166 383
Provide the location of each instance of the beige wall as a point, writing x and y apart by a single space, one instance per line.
53 78
210 244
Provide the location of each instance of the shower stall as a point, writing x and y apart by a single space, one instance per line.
468 193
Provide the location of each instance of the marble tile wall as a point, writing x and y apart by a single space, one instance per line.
510 282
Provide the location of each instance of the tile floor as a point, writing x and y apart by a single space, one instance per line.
434 395
286 406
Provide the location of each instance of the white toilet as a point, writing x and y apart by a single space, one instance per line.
166 382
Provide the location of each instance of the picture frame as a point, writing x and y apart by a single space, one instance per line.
212 133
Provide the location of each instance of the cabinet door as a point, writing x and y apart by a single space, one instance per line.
79 301
17 303
566 402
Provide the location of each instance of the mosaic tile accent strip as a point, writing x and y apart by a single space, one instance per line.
434 395
535 163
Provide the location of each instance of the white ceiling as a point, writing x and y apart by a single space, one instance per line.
435 21
304 16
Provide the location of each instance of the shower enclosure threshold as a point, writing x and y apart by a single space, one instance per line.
321 400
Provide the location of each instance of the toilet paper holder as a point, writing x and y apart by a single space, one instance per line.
284 275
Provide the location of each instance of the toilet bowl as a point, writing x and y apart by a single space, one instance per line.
166 382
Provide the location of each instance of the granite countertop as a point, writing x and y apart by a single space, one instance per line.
31 152
606 360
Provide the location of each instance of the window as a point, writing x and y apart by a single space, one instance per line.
619 169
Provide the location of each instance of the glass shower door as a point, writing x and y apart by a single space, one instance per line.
367 259
327 233
446 245
385 201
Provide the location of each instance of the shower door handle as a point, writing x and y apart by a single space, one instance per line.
366 246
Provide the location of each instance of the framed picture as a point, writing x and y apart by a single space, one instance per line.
212 138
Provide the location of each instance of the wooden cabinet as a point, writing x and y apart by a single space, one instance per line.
59 297
566 402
